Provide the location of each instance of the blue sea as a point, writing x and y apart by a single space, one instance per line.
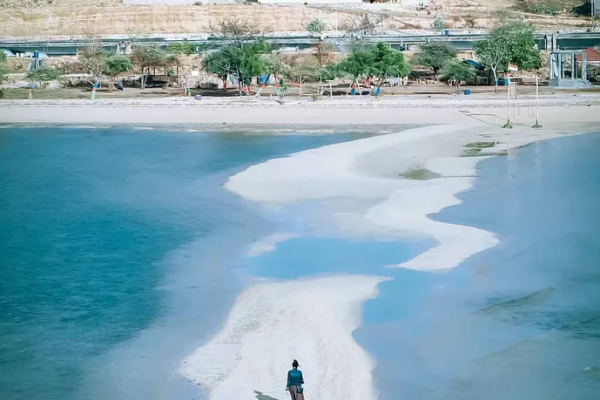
120 252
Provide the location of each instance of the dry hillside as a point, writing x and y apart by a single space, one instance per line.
102 17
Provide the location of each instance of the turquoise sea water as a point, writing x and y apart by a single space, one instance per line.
521 320
118 254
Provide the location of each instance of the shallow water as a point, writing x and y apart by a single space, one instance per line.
118 254
519 321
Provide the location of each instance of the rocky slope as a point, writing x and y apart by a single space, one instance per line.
34 18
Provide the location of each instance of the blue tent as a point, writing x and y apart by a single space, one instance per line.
474 64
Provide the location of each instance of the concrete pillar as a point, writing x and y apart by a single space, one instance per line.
556 66
573 66
584 66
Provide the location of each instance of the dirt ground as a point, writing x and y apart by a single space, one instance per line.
307 90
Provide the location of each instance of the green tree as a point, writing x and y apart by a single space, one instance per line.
146 57
218 63
493 55
512 42
380 60
458 71
388 62
328 72
43 75
114 66
182 48
2 64
245 61
437 24
360 62
523 49
2 74
315 26
321 49
244 56
435 56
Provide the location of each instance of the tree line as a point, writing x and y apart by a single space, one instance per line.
247 55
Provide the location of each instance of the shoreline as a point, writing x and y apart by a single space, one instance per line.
366 169
175 112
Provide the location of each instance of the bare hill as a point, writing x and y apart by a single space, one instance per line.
102 17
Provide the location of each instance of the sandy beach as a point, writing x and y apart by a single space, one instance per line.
419 109
273 322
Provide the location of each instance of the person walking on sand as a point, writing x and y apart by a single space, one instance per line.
295 380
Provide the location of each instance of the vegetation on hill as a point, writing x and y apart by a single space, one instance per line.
316 26
546 7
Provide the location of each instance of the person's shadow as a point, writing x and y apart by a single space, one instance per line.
261 396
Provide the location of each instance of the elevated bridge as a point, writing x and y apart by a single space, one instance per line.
57 46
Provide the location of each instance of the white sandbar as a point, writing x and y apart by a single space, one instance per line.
273 323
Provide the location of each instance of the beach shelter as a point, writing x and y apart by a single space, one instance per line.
474 64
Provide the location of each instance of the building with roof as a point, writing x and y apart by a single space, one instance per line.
592 56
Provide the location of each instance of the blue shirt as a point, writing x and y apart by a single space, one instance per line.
294 378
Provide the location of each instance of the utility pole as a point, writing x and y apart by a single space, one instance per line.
593 13
537 103
508 124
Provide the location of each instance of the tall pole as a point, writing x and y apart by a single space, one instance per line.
507 125
537 104
592 13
